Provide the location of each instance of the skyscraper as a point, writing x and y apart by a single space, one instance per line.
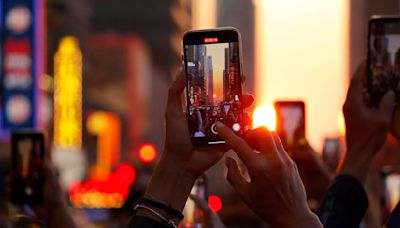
199 52
191 65
226 76
234 72
227 16
208 78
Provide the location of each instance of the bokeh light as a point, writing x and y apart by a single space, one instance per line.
147 153
215 203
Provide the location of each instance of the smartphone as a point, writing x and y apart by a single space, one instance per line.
213 66
383 63
27 158
391 191
290 123
331 153
193 215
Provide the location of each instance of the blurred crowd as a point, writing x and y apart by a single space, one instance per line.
277 188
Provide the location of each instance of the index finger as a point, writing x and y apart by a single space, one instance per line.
174 104
356 84
242 149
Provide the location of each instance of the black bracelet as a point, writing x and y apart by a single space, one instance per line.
169 210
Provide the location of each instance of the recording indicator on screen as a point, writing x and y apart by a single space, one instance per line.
210 40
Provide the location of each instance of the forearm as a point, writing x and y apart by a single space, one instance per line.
170 185
356 166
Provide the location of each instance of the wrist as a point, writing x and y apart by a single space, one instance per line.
356 166
170 184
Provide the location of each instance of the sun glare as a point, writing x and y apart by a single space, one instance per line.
264 115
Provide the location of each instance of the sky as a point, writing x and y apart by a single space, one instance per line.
217 53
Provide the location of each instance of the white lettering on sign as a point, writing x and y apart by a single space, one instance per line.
17 64
17 60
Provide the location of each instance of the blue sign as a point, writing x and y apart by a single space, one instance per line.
18 77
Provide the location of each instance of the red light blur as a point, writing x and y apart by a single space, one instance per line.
215 203
109 193
147 153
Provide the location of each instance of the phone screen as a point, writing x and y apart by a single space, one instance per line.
392 187
27 162
331 153
290 119
383 57
214 85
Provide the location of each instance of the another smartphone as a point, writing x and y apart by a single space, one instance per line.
27 160
391 177
213 67
331 153
383 64
290 123
193 215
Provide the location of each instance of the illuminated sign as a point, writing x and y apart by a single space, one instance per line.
18 79
108 193
104 188
107 127
18 19
68 94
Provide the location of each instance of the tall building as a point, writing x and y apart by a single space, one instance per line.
227 16
226 76
234 65
190 57
200 52
198 80
208 78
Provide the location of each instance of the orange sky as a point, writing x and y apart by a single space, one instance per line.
217 53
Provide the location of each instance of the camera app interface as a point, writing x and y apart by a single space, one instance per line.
290 119
214 88
384 59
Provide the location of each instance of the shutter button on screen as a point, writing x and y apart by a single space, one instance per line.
213 130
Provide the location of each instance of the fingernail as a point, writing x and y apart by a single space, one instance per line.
219 125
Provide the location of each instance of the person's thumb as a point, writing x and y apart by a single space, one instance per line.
388 103
236 179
